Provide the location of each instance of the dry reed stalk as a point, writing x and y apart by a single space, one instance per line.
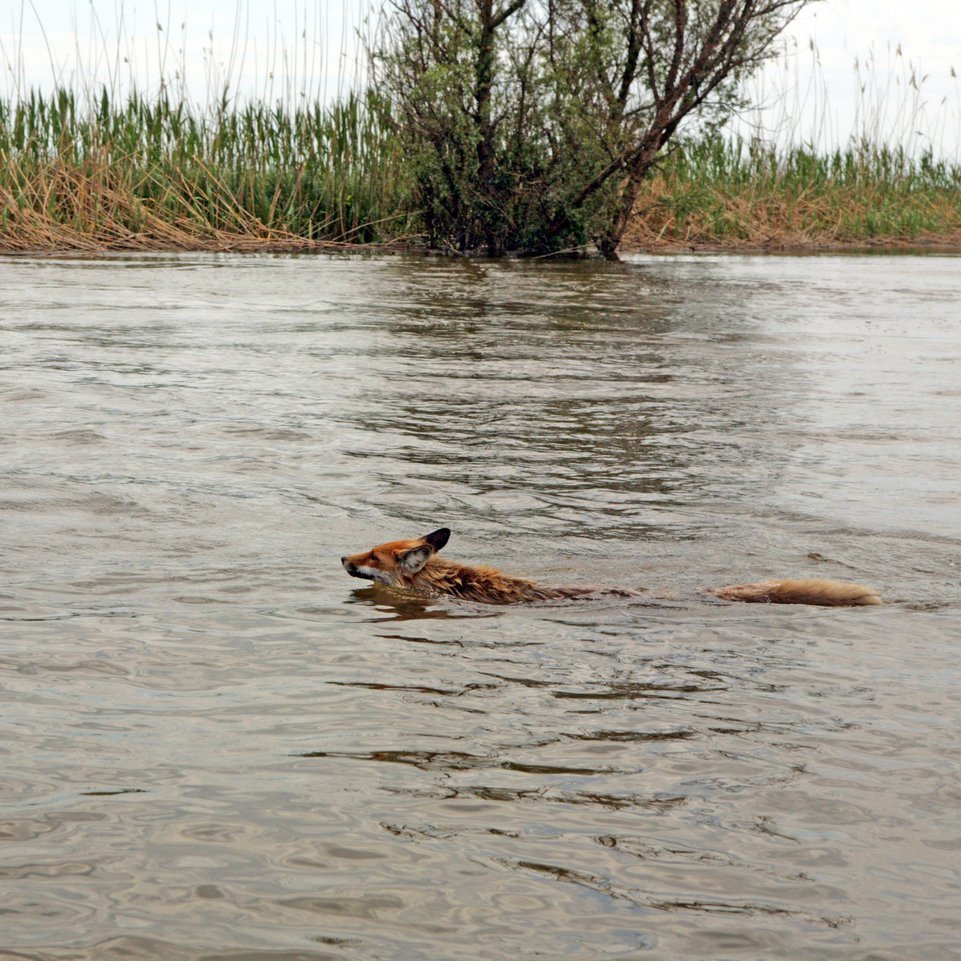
700 210
60 207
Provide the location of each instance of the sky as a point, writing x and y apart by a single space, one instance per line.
290 49
890 42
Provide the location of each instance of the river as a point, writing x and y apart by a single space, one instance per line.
216 745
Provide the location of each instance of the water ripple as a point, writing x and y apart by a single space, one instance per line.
216 747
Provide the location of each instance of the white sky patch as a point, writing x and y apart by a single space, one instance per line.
276 51
880 68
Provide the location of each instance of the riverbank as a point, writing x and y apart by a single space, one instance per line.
145 177
723 196
727 221
791 246
143 174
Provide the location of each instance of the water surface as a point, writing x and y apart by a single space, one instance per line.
216 745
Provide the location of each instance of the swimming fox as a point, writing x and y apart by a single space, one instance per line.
414 565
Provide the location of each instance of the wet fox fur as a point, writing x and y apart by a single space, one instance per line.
414 565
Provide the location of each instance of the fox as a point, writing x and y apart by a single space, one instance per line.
413 565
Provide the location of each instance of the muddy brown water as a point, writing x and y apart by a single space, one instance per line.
214 744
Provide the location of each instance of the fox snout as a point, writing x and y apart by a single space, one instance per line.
354 570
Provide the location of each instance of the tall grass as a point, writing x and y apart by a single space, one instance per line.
733 192
142 172
130 148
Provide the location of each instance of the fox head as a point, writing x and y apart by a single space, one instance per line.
396 561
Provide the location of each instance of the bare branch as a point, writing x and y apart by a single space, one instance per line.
507 13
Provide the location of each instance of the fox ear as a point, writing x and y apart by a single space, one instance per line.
414 560
437 539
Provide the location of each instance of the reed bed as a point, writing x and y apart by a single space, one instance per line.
142 174
111 171
724 193
156 175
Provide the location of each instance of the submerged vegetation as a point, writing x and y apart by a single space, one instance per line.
577 143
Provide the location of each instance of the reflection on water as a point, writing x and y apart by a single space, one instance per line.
399 606
215 745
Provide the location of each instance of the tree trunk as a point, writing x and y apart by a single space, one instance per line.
483 88
608 242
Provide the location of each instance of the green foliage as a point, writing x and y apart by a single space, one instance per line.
531 125
482 120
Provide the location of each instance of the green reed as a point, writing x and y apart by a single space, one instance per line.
724 191
107 167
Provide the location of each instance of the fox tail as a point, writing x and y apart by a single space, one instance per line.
811 591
